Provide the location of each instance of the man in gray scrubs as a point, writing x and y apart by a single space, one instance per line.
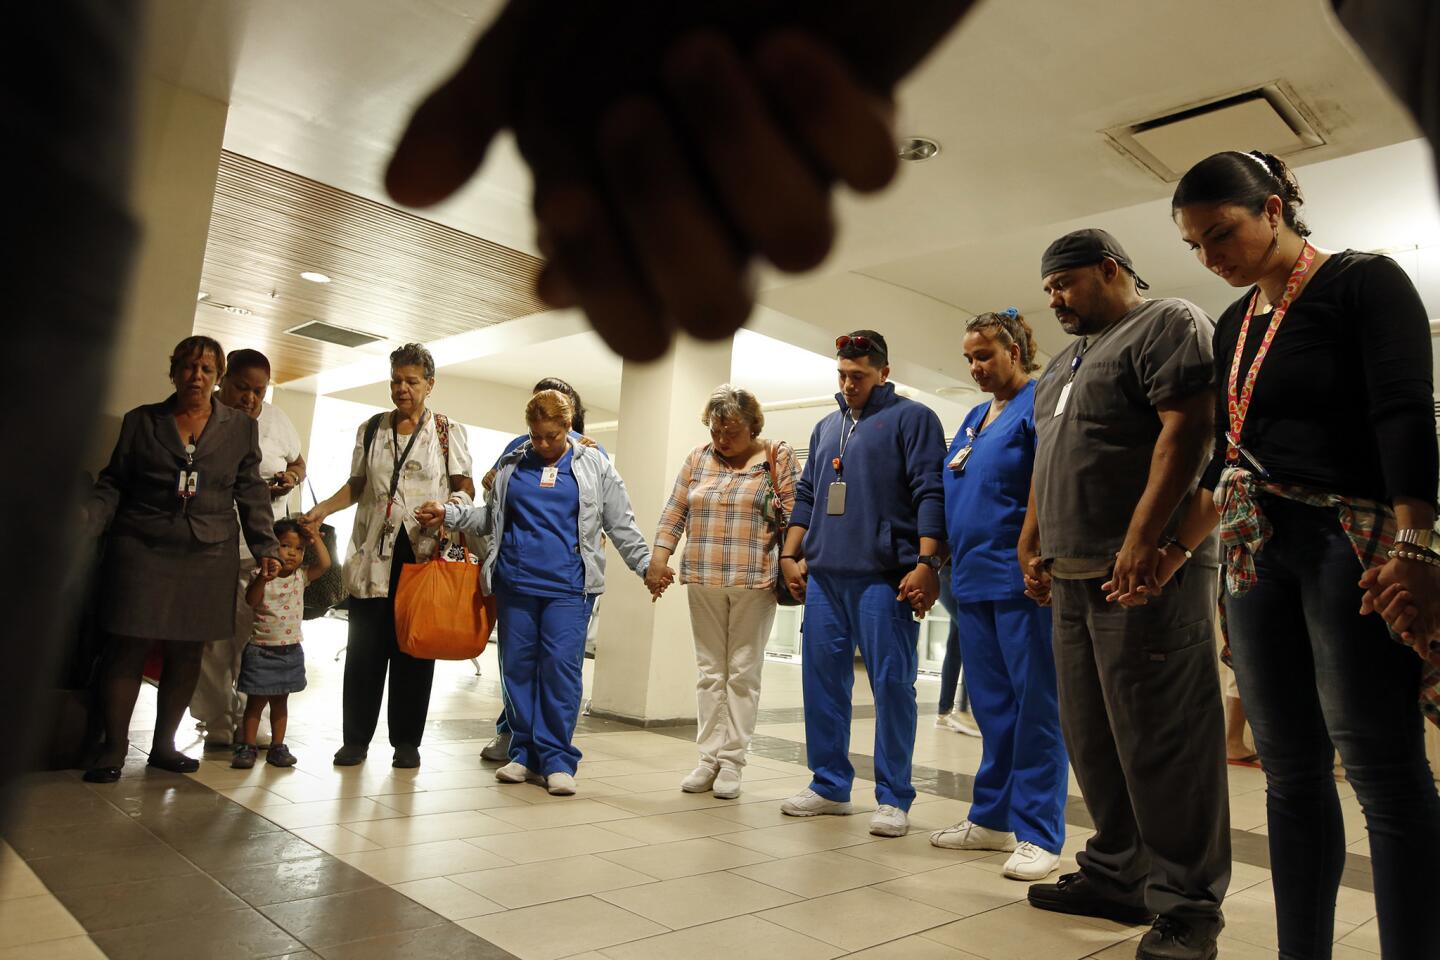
1124 422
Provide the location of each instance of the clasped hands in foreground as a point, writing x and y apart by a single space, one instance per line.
1392 589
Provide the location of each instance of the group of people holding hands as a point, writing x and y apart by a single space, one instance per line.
1078 511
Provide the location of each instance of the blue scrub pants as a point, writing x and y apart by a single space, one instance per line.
1010 675
542 654
843 612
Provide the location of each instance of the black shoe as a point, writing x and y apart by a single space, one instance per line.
350 755
1173 939
173 762
406 757
1075 893
279 755
101 775
244 758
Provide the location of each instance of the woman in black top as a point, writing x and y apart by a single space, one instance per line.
1329 435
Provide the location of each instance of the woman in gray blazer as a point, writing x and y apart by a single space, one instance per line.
168 502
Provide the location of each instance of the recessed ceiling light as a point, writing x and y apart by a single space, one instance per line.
314 277
916 149
238 311
202 296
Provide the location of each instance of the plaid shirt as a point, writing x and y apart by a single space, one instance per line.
1369 524
728 518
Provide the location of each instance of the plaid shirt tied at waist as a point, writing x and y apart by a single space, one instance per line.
1369 525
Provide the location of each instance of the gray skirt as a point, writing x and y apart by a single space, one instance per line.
271 671
159 590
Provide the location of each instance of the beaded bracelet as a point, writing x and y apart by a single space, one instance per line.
1422 556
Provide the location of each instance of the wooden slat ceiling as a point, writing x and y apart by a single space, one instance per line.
394 275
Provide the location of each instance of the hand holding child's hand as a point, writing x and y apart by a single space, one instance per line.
430 514
269 569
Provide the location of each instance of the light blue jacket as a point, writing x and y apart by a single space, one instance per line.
604 507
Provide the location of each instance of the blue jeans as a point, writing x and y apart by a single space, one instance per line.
843 612
951 686
1316 676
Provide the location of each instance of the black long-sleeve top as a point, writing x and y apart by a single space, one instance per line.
1345 399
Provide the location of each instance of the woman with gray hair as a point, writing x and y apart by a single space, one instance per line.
402 459
729 500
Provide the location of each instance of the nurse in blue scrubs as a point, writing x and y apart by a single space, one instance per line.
1019 797
552 499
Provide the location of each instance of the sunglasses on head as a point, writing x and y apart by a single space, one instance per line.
863 344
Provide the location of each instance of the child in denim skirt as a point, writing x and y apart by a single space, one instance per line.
273 664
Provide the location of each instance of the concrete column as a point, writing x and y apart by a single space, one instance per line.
645 658
177 160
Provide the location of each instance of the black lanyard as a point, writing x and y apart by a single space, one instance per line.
400 458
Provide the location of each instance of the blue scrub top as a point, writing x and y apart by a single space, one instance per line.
985 505
540 548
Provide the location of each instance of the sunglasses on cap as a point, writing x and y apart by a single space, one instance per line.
863 344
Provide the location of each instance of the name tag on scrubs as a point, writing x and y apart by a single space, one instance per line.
548 476
1064 397
835 499
961 456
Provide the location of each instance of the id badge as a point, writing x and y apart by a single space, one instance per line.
187 484
548 476
835 499
1064 398
961 457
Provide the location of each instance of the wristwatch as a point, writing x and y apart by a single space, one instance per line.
1421 539
930 560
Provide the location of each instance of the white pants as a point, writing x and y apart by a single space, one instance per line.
731 627
215 702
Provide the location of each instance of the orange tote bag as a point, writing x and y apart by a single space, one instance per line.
441 613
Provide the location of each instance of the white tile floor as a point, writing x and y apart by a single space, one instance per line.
632 869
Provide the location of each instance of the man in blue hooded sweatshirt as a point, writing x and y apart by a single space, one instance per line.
865 540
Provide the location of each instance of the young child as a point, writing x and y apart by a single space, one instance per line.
273 664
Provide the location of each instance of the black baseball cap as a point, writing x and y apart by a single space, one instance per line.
1084 248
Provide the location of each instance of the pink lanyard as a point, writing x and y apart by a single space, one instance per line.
1239 401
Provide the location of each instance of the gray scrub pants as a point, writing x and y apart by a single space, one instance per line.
1142 717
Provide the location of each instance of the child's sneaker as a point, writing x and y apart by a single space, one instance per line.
244 758
279 755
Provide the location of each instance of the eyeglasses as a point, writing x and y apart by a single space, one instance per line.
863 344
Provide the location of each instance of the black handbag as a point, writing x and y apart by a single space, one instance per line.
328 589
783 596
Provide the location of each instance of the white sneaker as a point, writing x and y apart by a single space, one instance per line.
515 772
808 803
727 783
889 822
1030 862
971 836
957 722
699 779
560 784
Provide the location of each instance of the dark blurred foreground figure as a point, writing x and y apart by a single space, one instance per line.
75 115
73 111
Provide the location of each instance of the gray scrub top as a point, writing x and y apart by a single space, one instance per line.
1093 459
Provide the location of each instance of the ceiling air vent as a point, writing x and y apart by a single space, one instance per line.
1267 118
329 333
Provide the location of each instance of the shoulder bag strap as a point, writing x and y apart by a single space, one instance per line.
372 425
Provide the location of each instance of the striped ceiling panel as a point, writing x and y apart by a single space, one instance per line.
394 275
